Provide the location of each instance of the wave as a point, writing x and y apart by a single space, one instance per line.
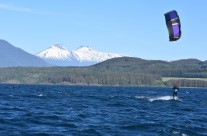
40 95
164 98
159 98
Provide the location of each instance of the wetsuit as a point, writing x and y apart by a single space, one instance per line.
175 92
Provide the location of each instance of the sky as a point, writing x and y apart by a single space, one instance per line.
135 28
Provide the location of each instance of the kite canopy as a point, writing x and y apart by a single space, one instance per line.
173 24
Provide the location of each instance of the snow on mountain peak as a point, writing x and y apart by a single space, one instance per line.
84 49
60 46
56 51
85 53
82 55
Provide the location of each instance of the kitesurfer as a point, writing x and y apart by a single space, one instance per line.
175 91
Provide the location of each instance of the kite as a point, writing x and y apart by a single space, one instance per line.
173 24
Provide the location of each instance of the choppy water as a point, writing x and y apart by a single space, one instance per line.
108 111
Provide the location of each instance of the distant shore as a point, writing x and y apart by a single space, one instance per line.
80 84
124 71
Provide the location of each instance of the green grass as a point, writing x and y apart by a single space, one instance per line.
164 79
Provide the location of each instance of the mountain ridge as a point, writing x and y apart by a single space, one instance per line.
82 56
11 56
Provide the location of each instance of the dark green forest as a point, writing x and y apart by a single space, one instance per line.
125 71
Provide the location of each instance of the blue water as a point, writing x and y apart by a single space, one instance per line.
102 111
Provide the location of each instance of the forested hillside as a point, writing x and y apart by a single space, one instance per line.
117 71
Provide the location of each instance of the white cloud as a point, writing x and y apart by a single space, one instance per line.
14 8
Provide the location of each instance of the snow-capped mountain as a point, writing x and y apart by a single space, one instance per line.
85 53
57 52
83 56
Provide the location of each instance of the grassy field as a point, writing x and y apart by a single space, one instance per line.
164 79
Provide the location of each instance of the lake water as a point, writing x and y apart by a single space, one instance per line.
101 111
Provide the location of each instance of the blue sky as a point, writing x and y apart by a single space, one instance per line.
133 27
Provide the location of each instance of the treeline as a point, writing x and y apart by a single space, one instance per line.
186 83
137 79
69 75
117 71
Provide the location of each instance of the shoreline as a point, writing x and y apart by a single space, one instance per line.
97 85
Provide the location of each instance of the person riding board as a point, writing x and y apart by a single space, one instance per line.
175 90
